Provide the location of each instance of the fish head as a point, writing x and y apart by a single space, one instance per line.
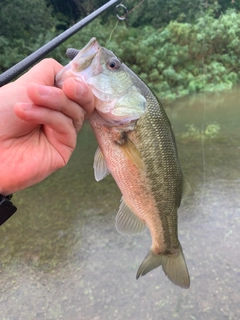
81 66
118 98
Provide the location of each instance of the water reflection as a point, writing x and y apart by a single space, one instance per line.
61 257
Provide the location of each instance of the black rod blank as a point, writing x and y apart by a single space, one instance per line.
18 68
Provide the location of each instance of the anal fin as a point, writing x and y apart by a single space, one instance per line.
127 222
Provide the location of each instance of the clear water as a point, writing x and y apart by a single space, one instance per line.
61 257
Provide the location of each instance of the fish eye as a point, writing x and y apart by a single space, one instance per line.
113 64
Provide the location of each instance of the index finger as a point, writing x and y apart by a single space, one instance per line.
42 73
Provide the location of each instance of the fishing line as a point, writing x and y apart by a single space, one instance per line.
121 17
110 36
203 115
118 18
136 6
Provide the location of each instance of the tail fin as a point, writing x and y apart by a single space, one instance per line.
173 265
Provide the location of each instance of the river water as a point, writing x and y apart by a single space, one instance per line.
61 257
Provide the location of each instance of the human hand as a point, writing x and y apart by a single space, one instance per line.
39 125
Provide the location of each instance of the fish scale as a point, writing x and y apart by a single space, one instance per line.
137 147
162 171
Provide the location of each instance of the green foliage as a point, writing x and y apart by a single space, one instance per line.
159 13
212 131
183 58
71 11
23 19
25 25
186 48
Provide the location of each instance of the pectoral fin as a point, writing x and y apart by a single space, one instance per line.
127 222
132 153
100 166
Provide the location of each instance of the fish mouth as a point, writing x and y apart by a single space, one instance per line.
79 64
86 54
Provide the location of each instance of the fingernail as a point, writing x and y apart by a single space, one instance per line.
44 90
26 106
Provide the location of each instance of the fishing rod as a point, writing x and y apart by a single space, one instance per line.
21 66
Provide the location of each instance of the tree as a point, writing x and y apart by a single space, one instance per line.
25 26
24 19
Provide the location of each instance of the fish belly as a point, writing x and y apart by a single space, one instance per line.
131 181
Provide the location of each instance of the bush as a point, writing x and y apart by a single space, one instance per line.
175 60
23 26
183 58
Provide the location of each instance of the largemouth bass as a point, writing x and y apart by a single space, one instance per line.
137 146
